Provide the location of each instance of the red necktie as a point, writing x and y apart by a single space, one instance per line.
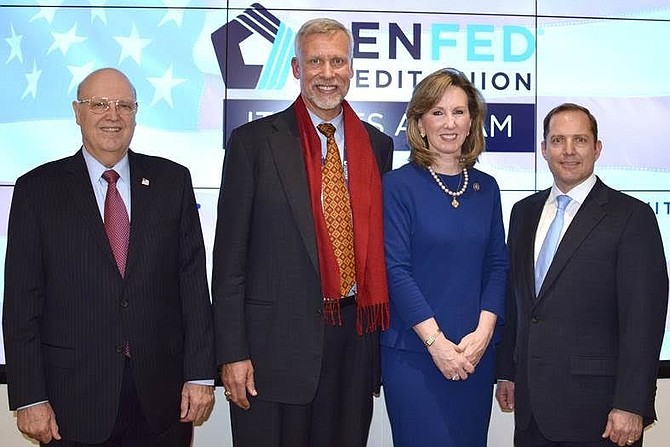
337 210
117 224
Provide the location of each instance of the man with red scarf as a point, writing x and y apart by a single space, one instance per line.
296 340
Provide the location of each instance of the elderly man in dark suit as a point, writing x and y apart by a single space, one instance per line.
588 299
107 320
299 284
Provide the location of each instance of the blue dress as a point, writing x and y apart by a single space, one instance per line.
448 263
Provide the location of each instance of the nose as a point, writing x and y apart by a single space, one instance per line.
449 120
569 147
327 69
113 113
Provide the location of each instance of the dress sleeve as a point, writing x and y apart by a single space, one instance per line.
399 215
495 269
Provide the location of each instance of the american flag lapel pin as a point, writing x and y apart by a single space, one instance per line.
145 181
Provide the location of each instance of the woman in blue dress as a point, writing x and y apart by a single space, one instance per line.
447 269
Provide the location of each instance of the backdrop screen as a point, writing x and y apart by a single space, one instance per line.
203 67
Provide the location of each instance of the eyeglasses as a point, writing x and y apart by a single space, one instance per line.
102 105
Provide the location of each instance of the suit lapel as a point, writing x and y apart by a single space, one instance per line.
528 230
590 213
287 153
78 184
140 203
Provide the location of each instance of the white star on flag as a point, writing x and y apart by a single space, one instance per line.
47 10
79 73
132 46
164 86
32 78
15 46
97 10
63 41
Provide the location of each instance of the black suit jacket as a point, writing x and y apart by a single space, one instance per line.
68 311
590 341
266 286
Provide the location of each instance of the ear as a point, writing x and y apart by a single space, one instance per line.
77 110
295 67
543 147
422 131
598 149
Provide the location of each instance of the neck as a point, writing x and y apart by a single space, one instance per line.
448 166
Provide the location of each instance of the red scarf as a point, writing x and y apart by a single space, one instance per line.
372 302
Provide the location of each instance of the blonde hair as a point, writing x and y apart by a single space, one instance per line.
429 92
322 26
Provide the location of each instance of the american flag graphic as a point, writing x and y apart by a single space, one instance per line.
46 50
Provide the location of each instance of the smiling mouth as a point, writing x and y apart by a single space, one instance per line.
449 136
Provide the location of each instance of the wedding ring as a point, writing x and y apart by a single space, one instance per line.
455 377
630 442
227 394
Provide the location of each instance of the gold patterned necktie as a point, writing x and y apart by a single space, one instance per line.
337 210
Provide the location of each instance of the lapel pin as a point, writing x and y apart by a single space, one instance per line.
475 186
145 181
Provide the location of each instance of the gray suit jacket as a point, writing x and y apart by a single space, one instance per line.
266 286
590 341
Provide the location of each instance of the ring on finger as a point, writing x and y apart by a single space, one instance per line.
630 442
456 377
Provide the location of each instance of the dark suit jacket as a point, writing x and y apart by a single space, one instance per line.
67 310
590 341
266 284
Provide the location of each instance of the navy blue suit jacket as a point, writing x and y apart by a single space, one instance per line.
68 311
590 341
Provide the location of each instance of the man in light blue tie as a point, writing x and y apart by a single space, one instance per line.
587 302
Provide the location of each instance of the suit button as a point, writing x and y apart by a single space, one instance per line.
319 312
535 319
123 304
119 349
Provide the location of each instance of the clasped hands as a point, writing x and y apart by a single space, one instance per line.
458 361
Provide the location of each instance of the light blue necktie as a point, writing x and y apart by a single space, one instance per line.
550 242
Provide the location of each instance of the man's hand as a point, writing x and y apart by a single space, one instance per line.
238 380
505 395
623 428
38 422
197 402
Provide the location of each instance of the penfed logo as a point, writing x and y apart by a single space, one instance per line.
254 33
254 51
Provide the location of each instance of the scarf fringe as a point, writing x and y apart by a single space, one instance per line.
375 318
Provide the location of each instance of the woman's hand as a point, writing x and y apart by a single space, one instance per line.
450 359
475 343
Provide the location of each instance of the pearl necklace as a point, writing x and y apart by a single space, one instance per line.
447 191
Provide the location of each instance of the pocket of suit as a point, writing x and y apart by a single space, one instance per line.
59 356
593 366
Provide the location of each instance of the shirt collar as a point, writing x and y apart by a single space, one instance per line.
96 169
338 121
578 193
